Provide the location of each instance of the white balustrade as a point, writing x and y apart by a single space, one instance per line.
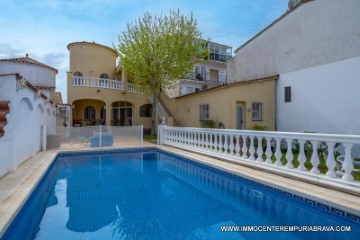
239 145
96 82
135 88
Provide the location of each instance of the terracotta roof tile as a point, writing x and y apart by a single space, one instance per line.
225 85
90 43
28 60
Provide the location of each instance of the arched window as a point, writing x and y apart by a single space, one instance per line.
146 110
89 113
77 74
104 75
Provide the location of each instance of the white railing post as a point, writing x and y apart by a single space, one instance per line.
260 150
315 157
237 148
302 156
244 147
330 160
252 148
141 135
348 165
268 151
100 136
278 153
289 155
231 148
215 143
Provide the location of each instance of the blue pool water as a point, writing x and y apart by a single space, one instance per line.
151 194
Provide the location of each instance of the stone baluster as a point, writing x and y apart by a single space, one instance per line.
232 147
226 144
244 147
289 155
215 142
268 151
315 157
210 142
302 156
278 153
221 144
330 161
252 148
348 165
237 148
260 150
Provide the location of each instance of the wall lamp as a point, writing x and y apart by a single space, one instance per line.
21 83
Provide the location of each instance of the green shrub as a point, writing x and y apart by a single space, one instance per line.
258 127
208 123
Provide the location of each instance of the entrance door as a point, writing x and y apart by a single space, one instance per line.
214 75
239 116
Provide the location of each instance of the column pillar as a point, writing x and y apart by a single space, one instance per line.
108 113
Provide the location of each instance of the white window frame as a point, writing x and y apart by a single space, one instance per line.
204 113
256 111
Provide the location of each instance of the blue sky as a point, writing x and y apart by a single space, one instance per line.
43 28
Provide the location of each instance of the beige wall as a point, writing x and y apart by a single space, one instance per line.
92 60
222 104
108 96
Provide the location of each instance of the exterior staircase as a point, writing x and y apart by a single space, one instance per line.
164 113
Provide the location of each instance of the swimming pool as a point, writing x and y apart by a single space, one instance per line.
151 194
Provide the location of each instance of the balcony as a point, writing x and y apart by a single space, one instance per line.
219 57
105 83
220 78
97 82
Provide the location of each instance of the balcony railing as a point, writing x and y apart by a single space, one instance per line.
219 57
327 158
97 82
135 88
205 78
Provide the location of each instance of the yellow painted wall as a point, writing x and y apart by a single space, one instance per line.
222 104
92 60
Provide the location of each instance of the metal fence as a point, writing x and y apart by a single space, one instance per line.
100 136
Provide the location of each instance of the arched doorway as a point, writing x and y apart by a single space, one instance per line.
88 112
122 113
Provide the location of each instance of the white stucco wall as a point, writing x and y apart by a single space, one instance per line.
325 99
22 137
317 32
36 75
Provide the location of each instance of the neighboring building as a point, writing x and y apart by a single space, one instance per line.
26 117
39 75
98 90
240 105
315 50
206 74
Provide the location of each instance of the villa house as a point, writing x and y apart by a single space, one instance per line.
206 74
99 92
315 49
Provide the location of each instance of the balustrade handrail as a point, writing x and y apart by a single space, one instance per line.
96 82
273 148
355 139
